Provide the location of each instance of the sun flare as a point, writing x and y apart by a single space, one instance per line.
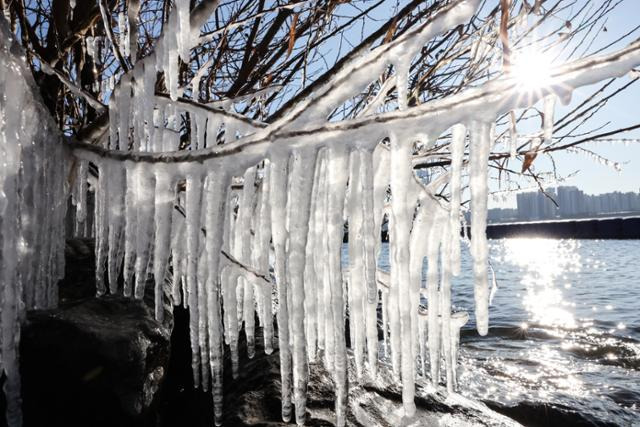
532 69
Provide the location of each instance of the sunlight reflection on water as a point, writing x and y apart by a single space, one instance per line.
543 263
559 333
564 327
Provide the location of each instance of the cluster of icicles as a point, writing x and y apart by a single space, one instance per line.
33 201
217 233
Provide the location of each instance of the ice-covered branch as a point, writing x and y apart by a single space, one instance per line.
495 97
99 106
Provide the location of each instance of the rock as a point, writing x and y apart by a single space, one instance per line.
92 361
541 414
253 399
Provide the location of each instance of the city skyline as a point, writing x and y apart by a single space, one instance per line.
572 202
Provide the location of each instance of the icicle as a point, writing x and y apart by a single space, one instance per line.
445 300
101 228
313 283
242 252
337 180
278 193
261 259
81 184
513 142
192 215
230 279
549 108
381 171
299 199
177 254
215 199
164 200
131 218
384 298
458 320
480 148
170 50
402 211
115 222
458 138
133 8
184 29
201 125
324 318
203 315
356 264
144 225
433 300
124 107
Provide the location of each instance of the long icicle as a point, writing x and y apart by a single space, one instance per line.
337 180
299 200
357 295
192 214
278 193
164 200
215 196
480 148
399 248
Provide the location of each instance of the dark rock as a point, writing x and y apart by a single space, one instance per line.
92 361
540 414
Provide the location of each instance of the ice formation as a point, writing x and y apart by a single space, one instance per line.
209 212
33 204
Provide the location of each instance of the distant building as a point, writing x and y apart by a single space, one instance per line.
572 203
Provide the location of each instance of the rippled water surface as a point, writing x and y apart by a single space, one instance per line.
564 328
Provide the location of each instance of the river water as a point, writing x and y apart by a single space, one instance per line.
564 329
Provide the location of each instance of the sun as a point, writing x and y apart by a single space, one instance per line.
531 68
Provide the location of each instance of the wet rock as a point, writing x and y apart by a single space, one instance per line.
92 361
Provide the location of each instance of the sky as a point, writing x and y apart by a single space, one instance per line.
583 171
622 111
